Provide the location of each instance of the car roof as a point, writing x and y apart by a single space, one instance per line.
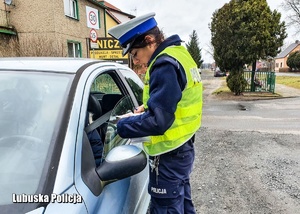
57 64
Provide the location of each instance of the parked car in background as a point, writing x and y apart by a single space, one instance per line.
47 161
219 73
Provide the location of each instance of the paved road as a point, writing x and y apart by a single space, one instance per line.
270 116
247 155
274 116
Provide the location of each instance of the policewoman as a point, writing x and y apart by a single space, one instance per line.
172 101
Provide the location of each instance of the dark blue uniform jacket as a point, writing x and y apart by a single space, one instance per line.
167 81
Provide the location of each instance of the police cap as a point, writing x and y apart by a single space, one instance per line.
127 32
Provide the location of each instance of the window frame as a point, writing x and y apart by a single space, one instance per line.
71 9
86 153
75 45
137 89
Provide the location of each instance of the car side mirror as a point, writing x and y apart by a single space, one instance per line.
122 162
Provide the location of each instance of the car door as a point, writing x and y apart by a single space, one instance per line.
123 196
136 87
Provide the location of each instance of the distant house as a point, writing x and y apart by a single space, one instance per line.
281 59
114 16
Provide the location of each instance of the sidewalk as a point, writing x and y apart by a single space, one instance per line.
281 91
285 91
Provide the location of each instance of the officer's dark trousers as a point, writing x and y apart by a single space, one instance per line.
170 188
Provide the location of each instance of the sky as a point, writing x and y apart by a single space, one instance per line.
182 17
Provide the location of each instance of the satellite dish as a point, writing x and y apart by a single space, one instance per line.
8 2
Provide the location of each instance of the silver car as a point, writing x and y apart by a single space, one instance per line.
49 163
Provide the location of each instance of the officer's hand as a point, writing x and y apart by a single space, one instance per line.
139 109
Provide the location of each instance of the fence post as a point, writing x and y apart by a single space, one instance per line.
252 89
273 79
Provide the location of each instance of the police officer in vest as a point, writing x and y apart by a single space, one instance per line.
172 105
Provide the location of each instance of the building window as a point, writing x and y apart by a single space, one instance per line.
71 8
74 49
277 65
281 65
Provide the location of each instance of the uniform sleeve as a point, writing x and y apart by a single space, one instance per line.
165 92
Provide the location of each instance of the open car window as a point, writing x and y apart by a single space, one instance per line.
135 84
110 94
112 139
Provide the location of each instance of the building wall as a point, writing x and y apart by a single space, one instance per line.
46 23
110 22
282 62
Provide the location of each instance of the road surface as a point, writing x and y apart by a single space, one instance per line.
247 155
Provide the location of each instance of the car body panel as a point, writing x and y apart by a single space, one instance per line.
69 65
128 195
219 73
62 207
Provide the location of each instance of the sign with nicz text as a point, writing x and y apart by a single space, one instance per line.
108 49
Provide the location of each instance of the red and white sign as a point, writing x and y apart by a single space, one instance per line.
92 16
93 35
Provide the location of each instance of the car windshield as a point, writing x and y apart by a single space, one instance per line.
30 104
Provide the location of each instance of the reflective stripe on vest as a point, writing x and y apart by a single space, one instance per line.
189 109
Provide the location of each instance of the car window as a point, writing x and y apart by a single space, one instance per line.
135 84
110 94
105 84
30 105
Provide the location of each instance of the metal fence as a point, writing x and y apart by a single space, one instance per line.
260 81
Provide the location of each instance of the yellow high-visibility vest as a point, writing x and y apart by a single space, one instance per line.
189 109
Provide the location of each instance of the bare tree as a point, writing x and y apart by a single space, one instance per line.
31 46
9 46
293 7
209 49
